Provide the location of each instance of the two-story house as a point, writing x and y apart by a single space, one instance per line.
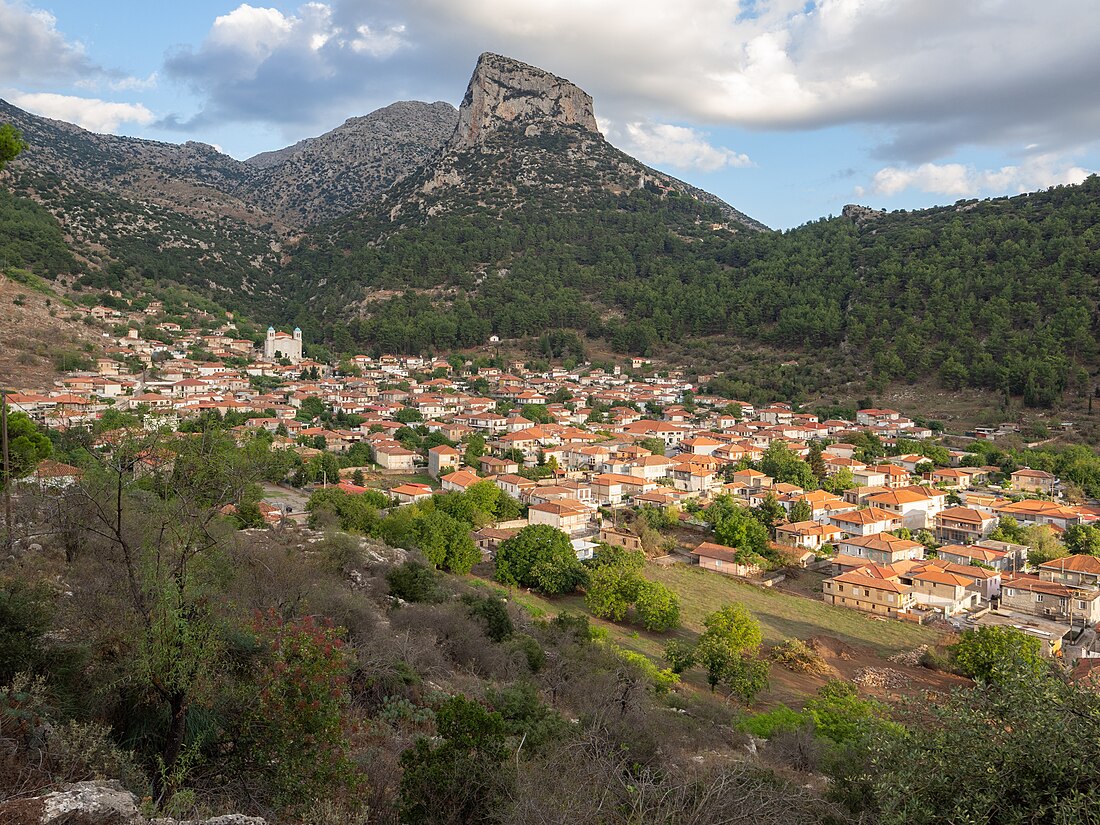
1050 600
1081 571
872 588
963 525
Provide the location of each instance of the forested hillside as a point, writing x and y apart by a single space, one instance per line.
999 294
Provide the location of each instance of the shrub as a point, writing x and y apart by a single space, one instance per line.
414 582
25 614
987 654
680 655
339 552
657 606
796 655
531 650
662 678
778 720
491 610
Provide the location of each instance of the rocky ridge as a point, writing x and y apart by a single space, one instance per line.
342 170
313 180
525 134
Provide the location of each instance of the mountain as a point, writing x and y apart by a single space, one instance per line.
315 179
190 177
135 209
523 223
525 134
341 171
421 228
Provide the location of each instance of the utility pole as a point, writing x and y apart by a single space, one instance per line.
9 533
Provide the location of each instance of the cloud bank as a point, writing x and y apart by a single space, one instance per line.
90 113
930 75
959 180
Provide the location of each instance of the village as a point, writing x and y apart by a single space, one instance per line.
916 534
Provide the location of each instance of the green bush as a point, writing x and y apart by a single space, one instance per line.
492 611
781 719
414 582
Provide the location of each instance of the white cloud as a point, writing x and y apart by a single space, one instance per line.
91 113
135 84
928 76
260 64
378 43
32 50
663 144
256 31
937 73
959 180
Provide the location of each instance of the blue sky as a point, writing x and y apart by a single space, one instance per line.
786 109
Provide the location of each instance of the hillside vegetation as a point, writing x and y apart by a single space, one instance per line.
999 294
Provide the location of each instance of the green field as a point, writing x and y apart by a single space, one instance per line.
781 615
784 615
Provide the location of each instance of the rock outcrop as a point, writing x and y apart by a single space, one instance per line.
861 214
95 803
504 92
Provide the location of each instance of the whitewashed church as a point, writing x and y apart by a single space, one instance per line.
283 345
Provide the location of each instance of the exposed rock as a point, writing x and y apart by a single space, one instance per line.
95 803
347 168
505 91
882 678
861 214
910 657
228 819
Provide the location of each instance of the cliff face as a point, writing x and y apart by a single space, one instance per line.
504 91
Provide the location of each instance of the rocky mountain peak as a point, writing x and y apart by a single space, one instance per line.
505 92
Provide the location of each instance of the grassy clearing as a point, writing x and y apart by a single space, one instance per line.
781 615
389 482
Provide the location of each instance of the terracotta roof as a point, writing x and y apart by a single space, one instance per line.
871 515
562 507
710 550
883 542
1074 564
963 514
1027 472
870 577
461 478
973 551
897 498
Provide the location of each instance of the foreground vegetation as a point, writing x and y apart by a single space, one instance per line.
316 676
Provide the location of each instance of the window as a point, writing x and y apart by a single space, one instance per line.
1038 597
1009 591
1082 605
